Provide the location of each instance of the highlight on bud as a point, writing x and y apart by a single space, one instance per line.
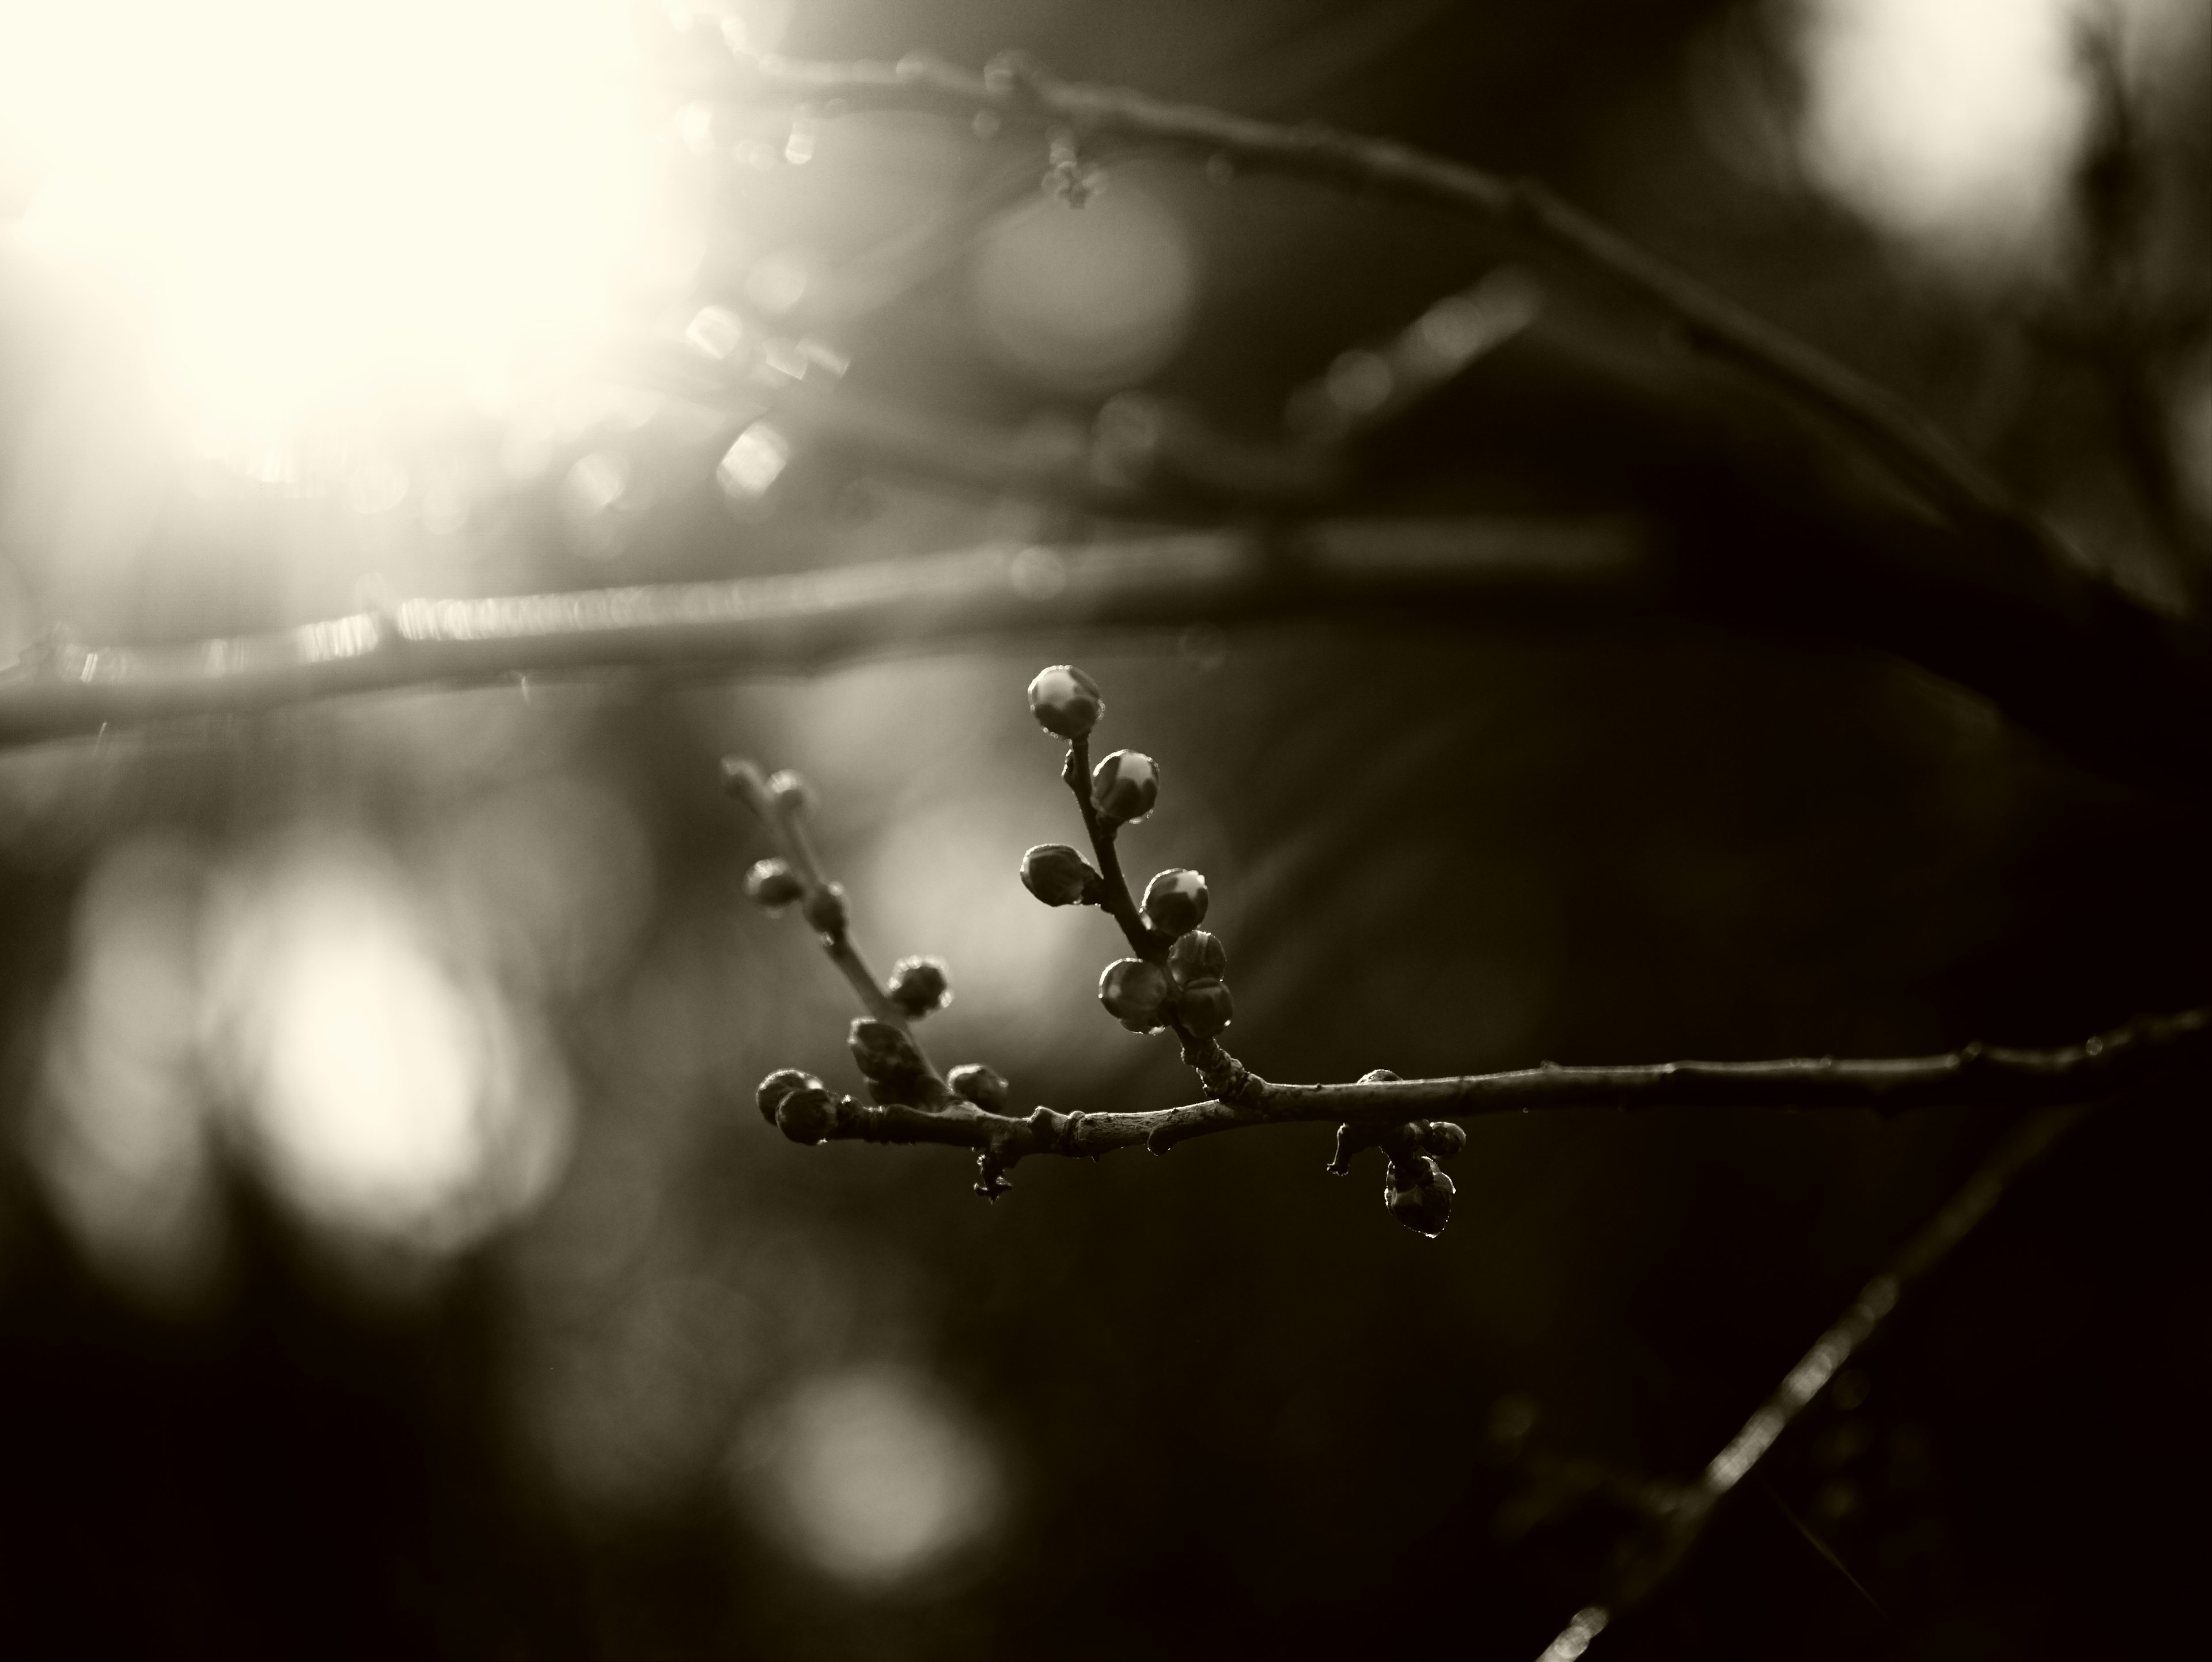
1198 957
1059 876
791 792
985 1087
1135 993
1418 1195
825 910
918 985
1175 902
1066 701
1124 786
772 885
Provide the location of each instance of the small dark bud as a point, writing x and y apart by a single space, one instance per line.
984 1087
772 885
1135 993
1175 902
918 985
808 1114
1420 1198
778 1085
884 1054
825 910
1198 957
738 777
1066 701
1442 1138
1205 1009
1124 786
1059 876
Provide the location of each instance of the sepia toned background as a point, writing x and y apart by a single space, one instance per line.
392 1259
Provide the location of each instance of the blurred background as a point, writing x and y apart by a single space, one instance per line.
391 1261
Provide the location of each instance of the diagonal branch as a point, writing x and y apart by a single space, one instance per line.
1880 423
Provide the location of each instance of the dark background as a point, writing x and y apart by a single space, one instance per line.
1231 1407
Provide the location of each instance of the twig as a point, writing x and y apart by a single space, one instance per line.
1644 1571
754 625
1013 85
1974 1074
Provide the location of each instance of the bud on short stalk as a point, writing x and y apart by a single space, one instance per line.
984 1087
825 910
799 1106
1419 1195
1205 1008
918 985
1066 701
1059 876
1175 902
1135 993
1124 786
772 885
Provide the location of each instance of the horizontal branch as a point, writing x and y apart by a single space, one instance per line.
753 626
1974 1074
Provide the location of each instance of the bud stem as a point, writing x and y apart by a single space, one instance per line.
1117 900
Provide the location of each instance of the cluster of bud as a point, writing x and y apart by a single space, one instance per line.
1415 1187
918 986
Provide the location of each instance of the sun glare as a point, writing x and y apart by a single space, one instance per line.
306 205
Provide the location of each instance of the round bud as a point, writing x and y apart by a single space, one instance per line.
1196 957
984 1087
825 910
1442 1138
884 1054
1134 993
1124 786
772 885
791 791
779 1084
1205 1009
918 985
808 1114
1066 701
1423 1205
1059 876
1175 902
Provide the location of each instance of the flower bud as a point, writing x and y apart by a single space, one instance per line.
1059 876
1420 1198
772 885
984 1087
1175 902
808 1115
1197 957
778 1085
1124 786
918 985
1134 993
884 1055
1066 701
825 910
1442 1138
1205 1008
791 792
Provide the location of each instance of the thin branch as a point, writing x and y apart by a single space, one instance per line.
1642 1571
1974 1074
804 620
1117 902
1880 423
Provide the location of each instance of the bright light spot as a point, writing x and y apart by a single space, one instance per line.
869 1477
1952 123
383 1092
308 203
1087 299
120 1135
754 463
1575 1638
